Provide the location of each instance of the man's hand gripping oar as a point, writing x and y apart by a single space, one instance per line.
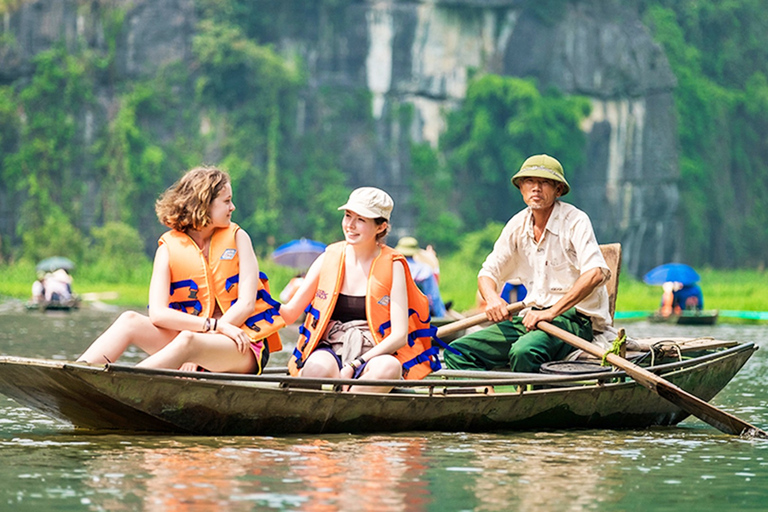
471 321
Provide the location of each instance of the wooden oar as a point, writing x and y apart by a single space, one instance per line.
721 420
473 320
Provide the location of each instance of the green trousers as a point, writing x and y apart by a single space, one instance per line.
509 344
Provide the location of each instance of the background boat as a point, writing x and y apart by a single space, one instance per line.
687 317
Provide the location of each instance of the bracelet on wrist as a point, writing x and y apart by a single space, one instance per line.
207 325
215 324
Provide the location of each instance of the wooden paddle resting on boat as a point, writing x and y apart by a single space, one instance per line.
721 420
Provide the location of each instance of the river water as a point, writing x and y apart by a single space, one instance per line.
47 467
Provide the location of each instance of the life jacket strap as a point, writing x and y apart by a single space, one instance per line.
429 355
315 313
388 324
183 306
300 344
298 355
186 283
231 281
267 315
264 295
443 344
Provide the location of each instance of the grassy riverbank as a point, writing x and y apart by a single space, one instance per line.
16 282
738 290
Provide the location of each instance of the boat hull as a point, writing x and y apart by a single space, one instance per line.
55 305
707 317
129 399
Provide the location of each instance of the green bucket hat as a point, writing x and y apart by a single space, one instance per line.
407 246
542 166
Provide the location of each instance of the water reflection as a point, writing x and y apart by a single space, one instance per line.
587 470
182 475
535 471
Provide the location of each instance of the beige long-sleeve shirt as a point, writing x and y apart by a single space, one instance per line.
549 268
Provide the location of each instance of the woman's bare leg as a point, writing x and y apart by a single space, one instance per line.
384 367
320 365
130 328
214 352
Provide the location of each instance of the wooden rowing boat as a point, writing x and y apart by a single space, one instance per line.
54 305
125 398
129 399
697 317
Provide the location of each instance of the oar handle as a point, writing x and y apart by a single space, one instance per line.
471 321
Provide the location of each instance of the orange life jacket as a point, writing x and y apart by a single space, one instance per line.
197 284
418 356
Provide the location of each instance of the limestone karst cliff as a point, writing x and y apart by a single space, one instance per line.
421 53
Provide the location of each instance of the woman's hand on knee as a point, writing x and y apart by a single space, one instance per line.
236 334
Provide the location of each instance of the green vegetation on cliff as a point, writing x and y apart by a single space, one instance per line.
77 183
719 53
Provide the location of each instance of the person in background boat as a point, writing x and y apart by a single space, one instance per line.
690 297
513 291
551 247
57 286
38 289
292 287
677 297
209 306
428 256
423 275
357 296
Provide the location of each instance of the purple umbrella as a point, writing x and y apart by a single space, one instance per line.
298 254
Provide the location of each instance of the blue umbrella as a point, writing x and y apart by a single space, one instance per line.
298 254
678 272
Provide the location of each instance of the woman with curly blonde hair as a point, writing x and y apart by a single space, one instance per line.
209 306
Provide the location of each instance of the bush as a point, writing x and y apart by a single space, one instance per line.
57 237
117 254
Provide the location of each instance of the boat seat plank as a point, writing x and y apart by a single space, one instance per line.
612 256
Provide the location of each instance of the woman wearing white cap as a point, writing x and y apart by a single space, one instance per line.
361 305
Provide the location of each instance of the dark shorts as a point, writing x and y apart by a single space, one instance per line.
261 353
358 370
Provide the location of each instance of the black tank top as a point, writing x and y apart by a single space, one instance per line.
348 308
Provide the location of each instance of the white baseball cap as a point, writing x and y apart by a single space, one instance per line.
369 202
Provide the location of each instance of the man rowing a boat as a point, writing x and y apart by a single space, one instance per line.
551 248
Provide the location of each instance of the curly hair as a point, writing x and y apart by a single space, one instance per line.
186 204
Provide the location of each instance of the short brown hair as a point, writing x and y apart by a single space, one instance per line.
381 237
186 204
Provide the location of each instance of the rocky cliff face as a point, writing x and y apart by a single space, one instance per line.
420 54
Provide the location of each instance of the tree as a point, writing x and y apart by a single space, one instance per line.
503 121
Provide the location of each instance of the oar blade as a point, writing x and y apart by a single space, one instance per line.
708 413
721 420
